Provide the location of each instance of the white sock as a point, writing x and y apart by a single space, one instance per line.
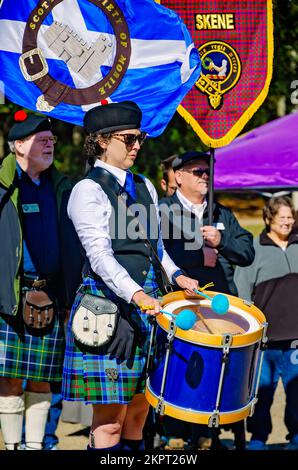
11 420
37 407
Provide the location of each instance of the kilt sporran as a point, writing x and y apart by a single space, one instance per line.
95 320
38 309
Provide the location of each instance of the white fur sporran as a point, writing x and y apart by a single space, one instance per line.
95 320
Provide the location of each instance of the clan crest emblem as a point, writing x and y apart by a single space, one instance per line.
221 71
82 59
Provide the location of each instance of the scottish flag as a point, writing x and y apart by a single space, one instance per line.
63 57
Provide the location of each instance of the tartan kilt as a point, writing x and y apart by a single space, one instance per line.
27 355
84 374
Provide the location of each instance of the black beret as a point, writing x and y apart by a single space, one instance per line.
188 157
30 125
113 117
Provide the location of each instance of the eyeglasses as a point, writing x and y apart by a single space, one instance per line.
199 171
284 219
44 140
130 139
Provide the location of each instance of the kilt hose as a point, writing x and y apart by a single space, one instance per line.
85 374
28 354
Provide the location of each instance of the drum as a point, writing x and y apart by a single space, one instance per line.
209 374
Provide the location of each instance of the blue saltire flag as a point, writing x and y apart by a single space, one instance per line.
63 57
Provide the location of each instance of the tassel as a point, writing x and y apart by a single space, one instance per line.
47 316
95 337
39 318
31 316
210 284
86 323
110 329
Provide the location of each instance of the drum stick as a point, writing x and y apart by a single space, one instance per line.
203 320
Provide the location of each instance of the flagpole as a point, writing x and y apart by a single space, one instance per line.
211 187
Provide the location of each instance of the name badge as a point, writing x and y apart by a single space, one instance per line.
30 208
219 226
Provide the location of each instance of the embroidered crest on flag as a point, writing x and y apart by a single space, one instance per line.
235 43
221 70
81 57
63 57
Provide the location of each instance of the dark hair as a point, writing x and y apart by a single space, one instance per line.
92 148
166 166
272 207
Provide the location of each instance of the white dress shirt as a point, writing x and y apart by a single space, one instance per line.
90 209
196 209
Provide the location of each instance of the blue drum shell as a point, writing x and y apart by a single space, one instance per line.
193 374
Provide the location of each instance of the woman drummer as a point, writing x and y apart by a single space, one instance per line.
123 269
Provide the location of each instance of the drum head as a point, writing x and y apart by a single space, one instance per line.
211 323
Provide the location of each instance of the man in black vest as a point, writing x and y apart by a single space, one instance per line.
204 252
115 214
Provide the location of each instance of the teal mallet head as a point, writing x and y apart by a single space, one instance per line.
219 303
184 320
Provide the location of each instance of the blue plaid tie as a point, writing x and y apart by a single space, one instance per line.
130 186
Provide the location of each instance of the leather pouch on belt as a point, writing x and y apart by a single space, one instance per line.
38 309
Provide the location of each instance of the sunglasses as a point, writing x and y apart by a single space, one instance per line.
130 139
199 171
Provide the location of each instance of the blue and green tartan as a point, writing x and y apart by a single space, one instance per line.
86 376
26 356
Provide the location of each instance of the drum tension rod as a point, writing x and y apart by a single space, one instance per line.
263 346
227 340
160 407
151 352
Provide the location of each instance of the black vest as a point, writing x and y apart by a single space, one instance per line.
135 255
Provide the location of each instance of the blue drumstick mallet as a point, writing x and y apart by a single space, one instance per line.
219 303
184 320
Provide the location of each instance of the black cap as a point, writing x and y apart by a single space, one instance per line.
188 157
30 125
113 117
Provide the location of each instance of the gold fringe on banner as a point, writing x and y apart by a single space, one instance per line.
247 115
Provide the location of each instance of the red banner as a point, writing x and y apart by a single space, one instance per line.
235 42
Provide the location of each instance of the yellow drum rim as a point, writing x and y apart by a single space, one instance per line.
197 417
199 337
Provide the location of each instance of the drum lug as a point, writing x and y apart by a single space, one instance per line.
226 341
253 405
213 421
160 407
264 336
172 331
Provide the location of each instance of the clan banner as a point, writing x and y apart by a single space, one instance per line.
63 57
235 43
